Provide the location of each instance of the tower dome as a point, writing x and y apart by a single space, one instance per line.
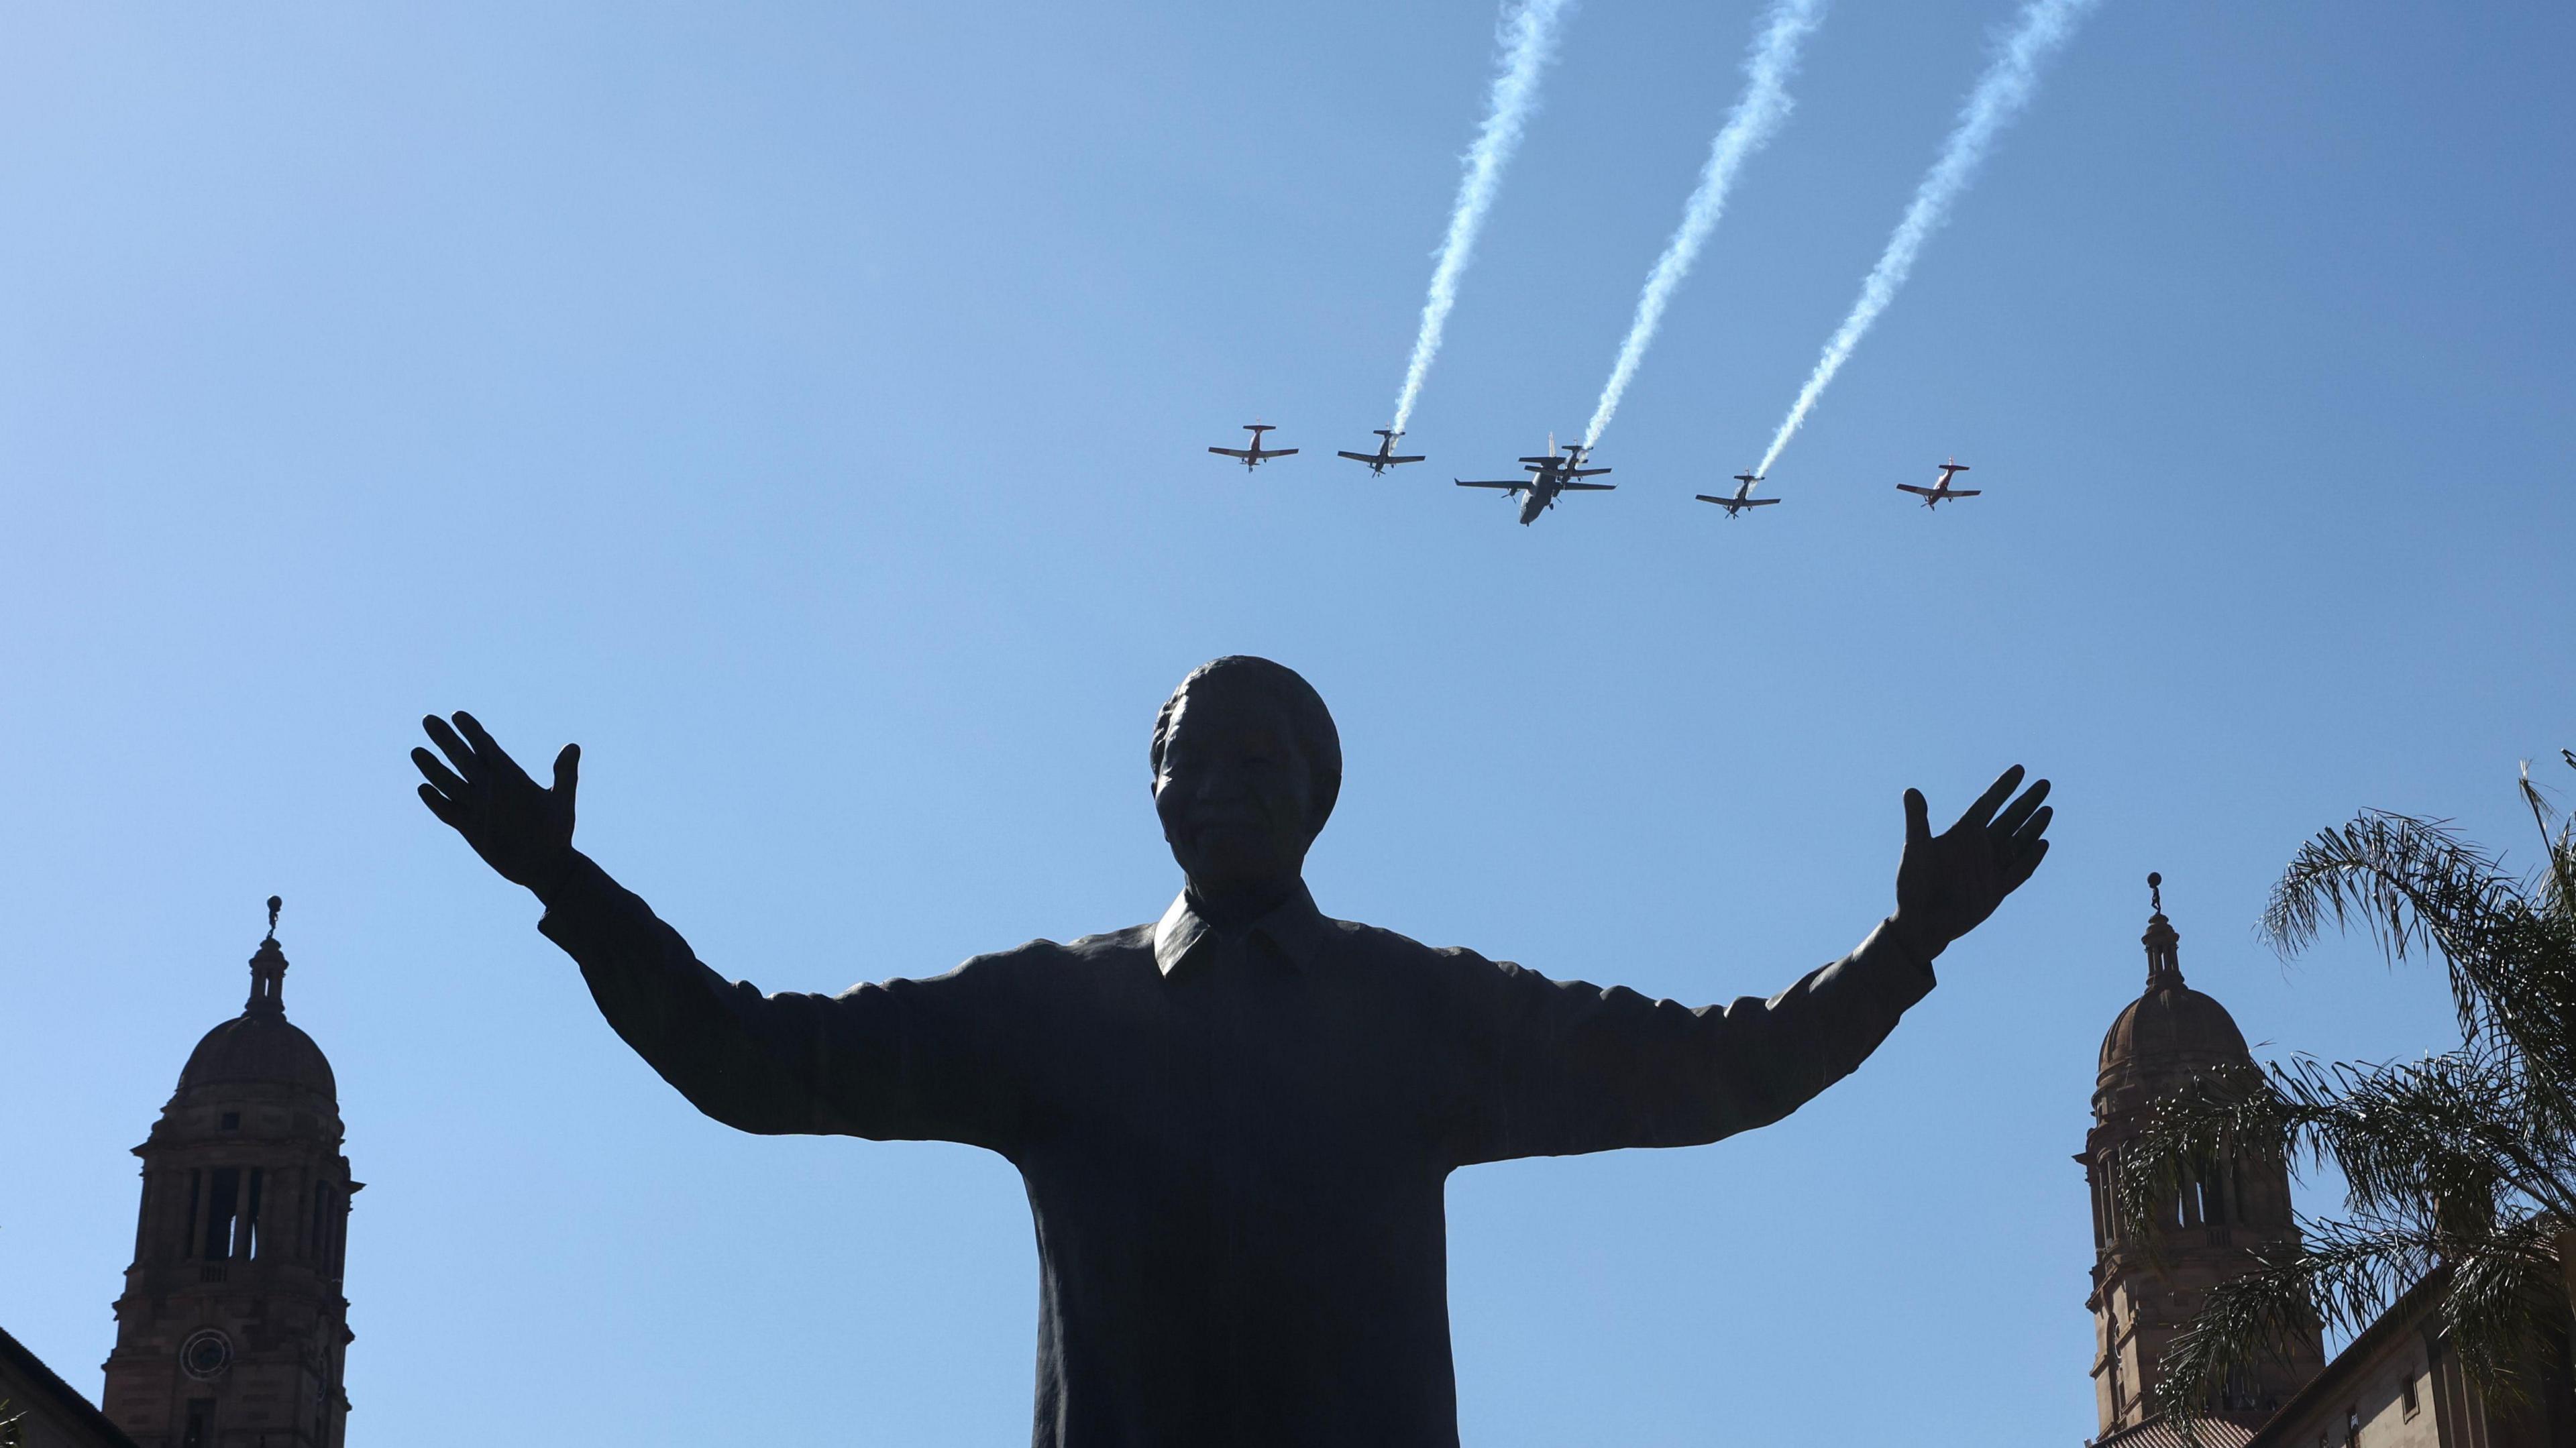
260 1046
2169 1033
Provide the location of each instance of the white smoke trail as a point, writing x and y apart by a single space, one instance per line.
2001 93
1757 116
1529 40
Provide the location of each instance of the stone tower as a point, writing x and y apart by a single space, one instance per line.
2141 1299
232 1327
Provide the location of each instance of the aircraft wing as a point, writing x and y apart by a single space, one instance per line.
1276 452
1588 487
1965 492
1417 457
1231 452
1923 492
1513 486
1362 457
1753 502
1583 472
1721 502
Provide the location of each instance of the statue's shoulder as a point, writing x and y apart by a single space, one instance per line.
1108 946
1377 943
1111 947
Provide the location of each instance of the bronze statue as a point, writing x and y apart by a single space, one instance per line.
1235 1124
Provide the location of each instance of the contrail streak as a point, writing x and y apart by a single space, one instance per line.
1529 41
2001 94
1757 116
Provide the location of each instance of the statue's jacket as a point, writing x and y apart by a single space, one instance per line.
1234 1145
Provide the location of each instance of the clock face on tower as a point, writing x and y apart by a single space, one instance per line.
206 1354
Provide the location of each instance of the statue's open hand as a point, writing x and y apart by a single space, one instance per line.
1948 883
520 828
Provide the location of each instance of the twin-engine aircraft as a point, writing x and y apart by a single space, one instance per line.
1742 500
1555 474
1384 458
1941 492
1255 455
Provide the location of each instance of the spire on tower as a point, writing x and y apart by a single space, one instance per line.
2164 961
268 968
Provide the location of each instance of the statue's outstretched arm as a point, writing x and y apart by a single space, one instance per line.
1564 1066
1567 1066
909 1059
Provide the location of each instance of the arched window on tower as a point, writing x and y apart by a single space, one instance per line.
2111 1355
223 1204
246 1236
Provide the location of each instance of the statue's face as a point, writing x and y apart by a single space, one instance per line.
1234 793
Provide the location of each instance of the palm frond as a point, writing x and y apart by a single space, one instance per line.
2454 1128
2341 1279
2451 1129
2414 886
2496 1308
2558 882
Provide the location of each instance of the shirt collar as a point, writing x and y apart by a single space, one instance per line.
1294 925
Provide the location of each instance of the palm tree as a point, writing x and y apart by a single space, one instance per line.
2459 1169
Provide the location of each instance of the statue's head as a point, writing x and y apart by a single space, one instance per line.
1247 765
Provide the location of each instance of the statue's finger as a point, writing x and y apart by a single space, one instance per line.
1983 811
458 752
493 757
2032 828
441 806
439 776
2019 810
1918 817
568 771
2022 868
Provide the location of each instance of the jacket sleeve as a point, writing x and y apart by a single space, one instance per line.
907 1060
1559 1067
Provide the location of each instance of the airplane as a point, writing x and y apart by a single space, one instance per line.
1384 458
1941 491
1740 502
1555 474
1255 455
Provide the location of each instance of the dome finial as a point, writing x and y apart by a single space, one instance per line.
2164 960
268 968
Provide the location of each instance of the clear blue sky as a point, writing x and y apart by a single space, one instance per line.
803 407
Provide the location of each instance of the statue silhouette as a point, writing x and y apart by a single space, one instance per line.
1235 1123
